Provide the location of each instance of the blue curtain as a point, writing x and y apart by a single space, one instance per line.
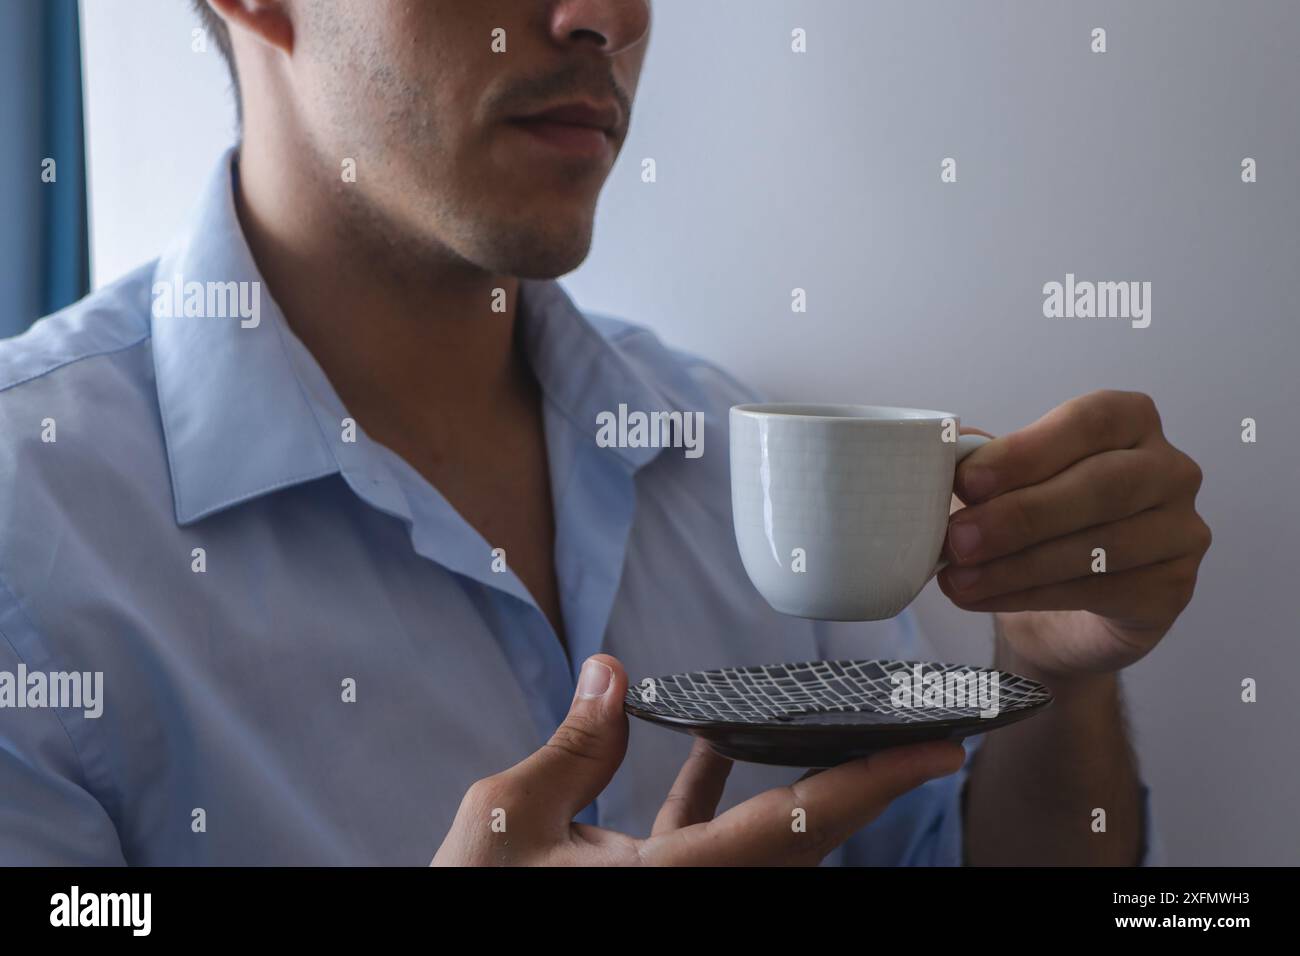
44 250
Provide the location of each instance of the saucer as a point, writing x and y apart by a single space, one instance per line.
823 713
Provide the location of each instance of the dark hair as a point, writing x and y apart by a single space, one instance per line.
217 29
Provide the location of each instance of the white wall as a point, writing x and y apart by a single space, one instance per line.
158 115
821 171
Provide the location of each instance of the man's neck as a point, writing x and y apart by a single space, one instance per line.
411 344
406 338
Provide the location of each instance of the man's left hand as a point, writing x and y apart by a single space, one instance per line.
1094 473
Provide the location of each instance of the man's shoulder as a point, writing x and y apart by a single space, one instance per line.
685 378
76 401
108 321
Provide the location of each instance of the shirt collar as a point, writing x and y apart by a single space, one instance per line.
580 371
245 408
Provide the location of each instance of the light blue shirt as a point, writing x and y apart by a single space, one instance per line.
307 656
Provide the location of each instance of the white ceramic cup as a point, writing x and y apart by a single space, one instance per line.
841 510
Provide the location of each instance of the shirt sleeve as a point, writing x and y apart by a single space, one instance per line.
47 816
1153 845
947 846
926 827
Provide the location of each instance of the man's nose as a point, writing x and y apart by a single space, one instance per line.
611 25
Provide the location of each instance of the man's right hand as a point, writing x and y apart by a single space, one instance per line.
524 815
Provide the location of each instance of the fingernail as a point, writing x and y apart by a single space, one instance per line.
963 538
962 578
977 482
594 679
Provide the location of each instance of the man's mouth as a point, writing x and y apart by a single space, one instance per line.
576 129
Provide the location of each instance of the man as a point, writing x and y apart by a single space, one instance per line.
346 558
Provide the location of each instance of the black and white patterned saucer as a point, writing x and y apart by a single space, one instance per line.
823 713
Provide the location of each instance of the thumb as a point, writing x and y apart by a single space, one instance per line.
582 755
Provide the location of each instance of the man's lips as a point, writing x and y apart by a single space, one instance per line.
601 116
576 129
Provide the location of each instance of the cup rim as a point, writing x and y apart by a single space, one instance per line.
825 412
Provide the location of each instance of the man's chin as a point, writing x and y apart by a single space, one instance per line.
539 256
547 271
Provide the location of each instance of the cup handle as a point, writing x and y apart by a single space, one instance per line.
965 445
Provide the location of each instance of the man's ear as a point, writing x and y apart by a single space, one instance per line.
267 21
